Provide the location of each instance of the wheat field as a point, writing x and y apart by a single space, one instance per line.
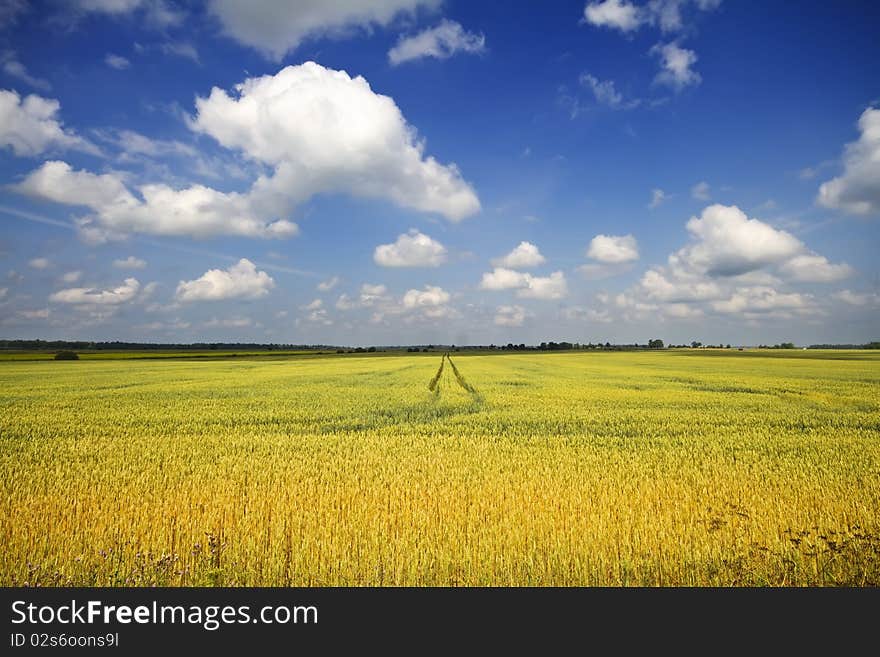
616 469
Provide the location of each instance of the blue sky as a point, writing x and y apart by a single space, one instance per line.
415 171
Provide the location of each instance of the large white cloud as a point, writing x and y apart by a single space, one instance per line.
412 249
321 130
58 182
857 190
241 281
613 249
30 126
439 42
733 265
86 295
197 211
317 129
524 256
728 243
275 28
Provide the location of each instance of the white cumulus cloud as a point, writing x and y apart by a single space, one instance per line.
660 286
429 297
321 130
30 126
527 286
501 278
734 265
682 311
814 268
613 249
676 66
439 42
857 190
549 287
728 243
197 210
524 256
241 281
40 263
316 130
628 17
85 295
760 299
412 249
616 14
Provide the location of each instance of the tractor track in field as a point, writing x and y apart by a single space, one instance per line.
434 384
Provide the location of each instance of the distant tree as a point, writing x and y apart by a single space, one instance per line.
696 344
872 345
655 344
66 355
371 350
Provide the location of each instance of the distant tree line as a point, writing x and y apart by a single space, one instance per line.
654 343
55 345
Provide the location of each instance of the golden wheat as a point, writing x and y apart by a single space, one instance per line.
614 469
